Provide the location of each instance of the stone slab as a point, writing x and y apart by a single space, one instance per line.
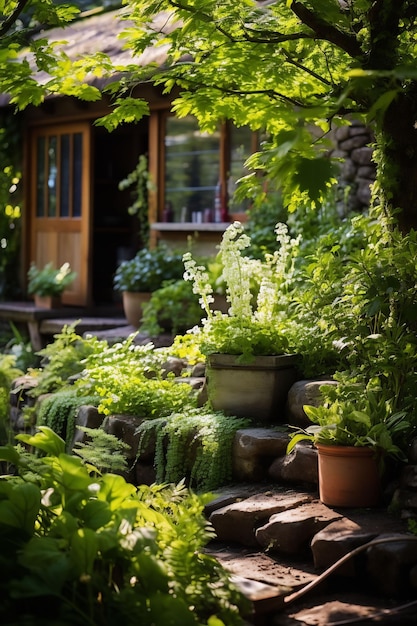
291 531
239 521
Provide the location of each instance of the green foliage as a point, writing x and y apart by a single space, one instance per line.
8 372
80 549
10 198
259 293
174 308
148 269
357 416
49 281
195 445
130 380
102 450
59 410
63 358
139 179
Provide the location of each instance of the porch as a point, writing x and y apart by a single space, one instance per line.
42 324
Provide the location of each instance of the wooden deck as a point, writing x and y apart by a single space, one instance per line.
42 324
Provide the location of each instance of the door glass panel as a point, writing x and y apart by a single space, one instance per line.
40 177
77 174
52 175
191 171
65 176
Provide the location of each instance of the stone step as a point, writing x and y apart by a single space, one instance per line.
282 540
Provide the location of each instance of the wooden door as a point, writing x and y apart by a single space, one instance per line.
59 211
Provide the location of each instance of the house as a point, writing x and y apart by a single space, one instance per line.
73 209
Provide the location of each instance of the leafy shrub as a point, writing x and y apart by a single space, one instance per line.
130 379
63 358
80 549
174 308
148 269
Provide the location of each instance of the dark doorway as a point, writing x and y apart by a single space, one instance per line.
115 232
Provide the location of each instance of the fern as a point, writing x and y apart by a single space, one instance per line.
59 411
194 444
64 358
104 451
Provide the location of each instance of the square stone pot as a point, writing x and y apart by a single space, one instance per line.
257 390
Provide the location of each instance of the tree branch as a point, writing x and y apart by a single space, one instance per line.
8 23
326 31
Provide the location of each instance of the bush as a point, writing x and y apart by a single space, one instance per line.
80 549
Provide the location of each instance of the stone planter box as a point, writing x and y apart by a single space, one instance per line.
257 390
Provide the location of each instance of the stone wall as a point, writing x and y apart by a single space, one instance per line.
357 171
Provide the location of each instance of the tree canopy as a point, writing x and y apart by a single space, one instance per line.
292 69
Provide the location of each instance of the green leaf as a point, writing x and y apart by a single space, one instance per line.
21 508
313 176
45 440
96 514
115 490
83 551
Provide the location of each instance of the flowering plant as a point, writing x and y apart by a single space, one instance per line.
49 281
258 292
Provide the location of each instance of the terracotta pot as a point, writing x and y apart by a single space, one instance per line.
257 390
348 476
133 302
47 302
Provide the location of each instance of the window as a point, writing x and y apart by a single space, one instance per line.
201 170
59 174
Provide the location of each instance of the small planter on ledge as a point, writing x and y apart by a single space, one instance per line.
47 302
48 283
257 390
133 302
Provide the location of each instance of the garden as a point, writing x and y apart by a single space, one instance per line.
342 300
333 292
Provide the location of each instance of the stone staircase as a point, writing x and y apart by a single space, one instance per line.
281 545
303 563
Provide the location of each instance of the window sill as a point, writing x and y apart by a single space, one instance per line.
190 226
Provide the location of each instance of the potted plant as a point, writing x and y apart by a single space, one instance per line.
250 356
354 432
48 283
137 278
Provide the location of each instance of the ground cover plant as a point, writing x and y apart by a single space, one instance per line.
92 549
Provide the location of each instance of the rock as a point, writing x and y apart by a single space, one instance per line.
389 564
342 133
336 540
199 370
87 417
357 141
174 365
299 466
291 531
363 156
239 521
144 474
253 449
303 392
409 477
363 191
124 427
